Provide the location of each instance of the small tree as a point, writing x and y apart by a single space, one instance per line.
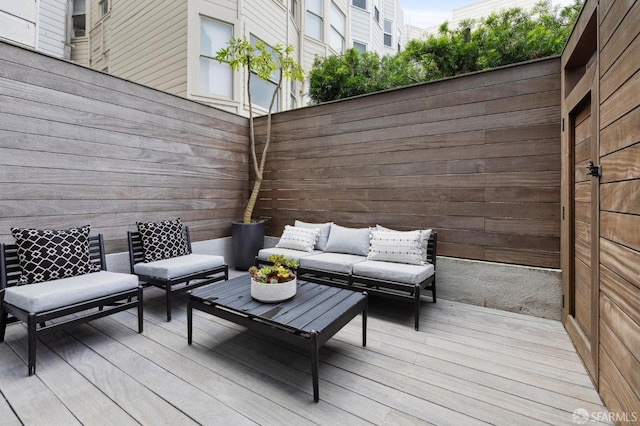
263 61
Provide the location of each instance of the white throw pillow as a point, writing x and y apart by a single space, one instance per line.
426 234
298 238
323 236
394 246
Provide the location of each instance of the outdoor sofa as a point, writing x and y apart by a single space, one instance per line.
381 261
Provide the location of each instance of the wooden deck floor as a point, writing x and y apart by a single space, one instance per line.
467 365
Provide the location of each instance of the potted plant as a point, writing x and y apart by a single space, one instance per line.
275 282
264 62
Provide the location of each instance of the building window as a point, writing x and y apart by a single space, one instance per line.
376 14
104 7
215 78
313 24
360 47
362 4
336 39
79 18
261 90
388 37
293 10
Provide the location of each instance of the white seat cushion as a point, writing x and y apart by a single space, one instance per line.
288 253
178 266
398 272
53 294
332 262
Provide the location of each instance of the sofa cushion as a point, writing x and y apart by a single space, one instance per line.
398 272
323 236
298 238
50 254
331 262
393 246
348 240
54 294
163 239
264 254
426 233
178 266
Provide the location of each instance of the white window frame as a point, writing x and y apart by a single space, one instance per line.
376 14
338 18
225 71
389 33
257 82
104 6
315 14
361 44
76 13
353 3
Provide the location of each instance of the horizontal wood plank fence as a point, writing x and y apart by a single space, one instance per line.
82 147
475 157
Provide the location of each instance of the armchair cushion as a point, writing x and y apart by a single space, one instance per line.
50 254
162 240
54 294
178 266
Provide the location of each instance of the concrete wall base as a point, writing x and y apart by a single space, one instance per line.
514 288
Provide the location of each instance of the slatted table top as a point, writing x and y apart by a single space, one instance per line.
313 308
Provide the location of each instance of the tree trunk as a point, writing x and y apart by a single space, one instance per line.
252 201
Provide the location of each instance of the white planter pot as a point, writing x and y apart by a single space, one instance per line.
272 293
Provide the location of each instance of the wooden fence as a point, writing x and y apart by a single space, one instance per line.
476 157
82 147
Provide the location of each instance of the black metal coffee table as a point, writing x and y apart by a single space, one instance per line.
308 320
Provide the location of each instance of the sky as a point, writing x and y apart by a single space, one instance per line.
427 13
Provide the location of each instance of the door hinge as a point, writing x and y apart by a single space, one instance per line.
562 212
563 301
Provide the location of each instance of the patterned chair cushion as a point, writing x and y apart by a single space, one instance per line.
50 254
162 240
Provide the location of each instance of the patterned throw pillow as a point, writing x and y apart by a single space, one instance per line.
162 240
426 234
399 247
50 254
298 238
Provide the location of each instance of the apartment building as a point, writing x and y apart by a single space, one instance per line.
38 24
376 26
170 44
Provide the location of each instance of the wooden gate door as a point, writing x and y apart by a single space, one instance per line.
581 286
